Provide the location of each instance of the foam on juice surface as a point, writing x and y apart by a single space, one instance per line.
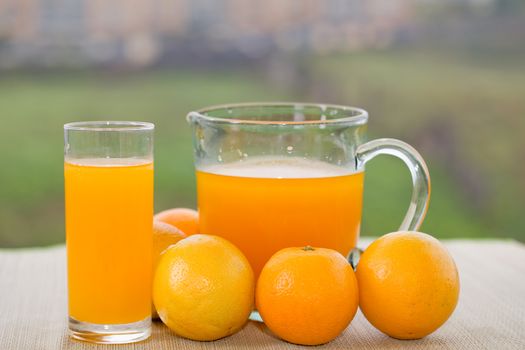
108 162
277 168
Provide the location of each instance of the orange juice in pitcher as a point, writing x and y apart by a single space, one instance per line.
265 204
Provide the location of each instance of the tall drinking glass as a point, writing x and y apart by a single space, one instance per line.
276 175
108 175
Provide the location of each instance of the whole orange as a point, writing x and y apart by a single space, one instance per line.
186 220
408 284
203 288
164 235
307 295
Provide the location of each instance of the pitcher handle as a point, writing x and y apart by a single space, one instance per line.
418 169
420 181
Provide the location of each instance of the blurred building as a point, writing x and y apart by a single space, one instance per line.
145 32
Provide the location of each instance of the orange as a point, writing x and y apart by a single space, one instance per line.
186 220
203 288
164 235
408 284
307 295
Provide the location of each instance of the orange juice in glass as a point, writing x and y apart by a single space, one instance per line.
277 175
108 173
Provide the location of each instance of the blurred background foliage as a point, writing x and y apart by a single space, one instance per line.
446 76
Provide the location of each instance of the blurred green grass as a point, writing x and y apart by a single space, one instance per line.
464 112
409 97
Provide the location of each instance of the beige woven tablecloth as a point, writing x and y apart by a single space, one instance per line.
490 313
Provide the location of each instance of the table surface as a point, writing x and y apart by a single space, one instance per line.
490 312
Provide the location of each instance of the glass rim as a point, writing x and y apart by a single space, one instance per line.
360 118
109 125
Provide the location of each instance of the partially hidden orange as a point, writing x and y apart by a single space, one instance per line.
164 235
307 295
408 284
203 288
185 219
